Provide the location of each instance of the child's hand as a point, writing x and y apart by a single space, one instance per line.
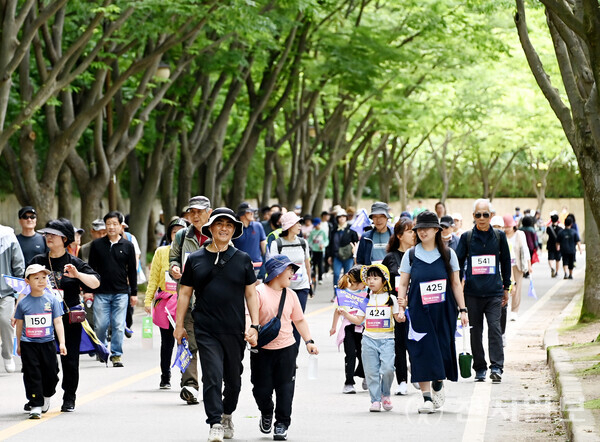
402 301
342 311
63 350
401 316
312 349
332 331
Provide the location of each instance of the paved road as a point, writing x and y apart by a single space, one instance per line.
126 404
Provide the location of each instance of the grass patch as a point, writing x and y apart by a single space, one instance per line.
587 358
593 370
594 404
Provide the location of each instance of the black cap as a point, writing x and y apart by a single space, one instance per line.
446 221
26 209
245 208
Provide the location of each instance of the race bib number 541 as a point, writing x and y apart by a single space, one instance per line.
483 265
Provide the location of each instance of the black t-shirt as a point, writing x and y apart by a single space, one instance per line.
567 238
70 286
31 246
392 261
552 230
219 304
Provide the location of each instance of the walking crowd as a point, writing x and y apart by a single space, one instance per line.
403 286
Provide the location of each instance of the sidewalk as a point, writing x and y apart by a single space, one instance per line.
574 359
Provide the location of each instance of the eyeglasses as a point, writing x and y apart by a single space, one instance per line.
484 214
29 217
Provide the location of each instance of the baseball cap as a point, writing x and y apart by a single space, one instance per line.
199 202
26 209
98 224
36 268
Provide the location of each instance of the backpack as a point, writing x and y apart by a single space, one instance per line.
281 245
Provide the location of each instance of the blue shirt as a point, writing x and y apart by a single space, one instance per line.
38 314
428 256
250 241
380 242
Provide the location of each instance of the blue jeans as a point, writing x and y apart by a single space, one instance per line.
338 264
378 363
111 309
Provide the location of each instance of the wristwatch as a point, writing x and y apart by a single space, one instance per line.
463 310
310 341
255 327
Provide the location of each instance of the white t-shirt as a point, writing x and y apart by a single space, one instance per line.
293 250
379 316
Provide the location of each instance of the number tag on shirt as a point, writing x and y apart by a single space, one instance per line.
38 326
433 292
378 318
483 264
170 284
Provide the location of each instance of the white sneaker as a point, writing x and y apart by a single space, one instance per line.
402 389
227 426
349 389
216 433
35 413
438 397
9 365
426 408
46 405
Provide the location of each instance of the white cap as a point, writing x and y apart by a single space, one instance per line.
457 216
497 221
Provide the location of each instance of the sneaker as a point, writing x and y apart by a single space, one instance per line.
116 361
67 406
128 332
553 273
386 402
426 408
165 385
364 385
189 394
375 407
570 277
280 432
402 389
480 375
27 407
438 397
228 429
9 365
46 405
349 389
35 413
566 277
216 433
320 282
496 375
265 424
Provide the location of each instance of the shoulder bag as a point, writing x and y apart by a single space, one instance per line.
270 330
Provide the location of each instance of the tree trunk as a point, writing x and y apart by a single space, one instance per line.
591 294
186 175
65 194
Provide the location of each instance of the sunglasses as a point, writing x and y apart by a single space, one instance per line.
484 214
29 217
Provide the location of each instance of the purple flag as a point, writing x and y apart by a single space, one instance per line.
531 292
352 301
412 334
361 222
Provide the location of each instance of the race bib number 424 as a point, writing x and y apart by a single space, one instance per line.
483 265
38 326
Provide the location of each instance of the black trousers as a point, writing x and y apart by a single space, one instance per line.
352 351
40 371
167 342
274 370
491 308
221 361
317 265
70 362
400 347
302 297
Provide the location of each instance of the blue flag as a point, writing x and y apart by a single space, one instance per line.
183 356
17 284
531 292
352 300
361 222
412 334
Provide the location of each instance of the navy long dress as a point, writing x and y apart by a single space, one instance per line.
434 356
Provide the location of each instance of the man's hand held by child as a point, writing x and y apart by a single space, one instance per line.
312 349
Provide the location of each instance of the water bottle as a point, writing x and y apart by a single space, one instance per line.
313 367
88 303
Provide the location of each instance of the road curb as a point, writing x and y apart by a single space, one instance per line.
580 423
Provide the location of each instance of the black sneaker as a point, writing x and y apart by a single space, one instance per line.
27 407
480 375
496 375
67 406
265 424
280 432
570 276
188 393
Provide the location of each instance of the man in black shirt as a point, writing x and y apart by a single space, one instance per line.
114 259
565 243
554 256
31 242
222 278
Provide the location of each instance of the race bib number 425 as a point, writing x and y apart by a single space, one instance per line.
38 326
433 292
483 265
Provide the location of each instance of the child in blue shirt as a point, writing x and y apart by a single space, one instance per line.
38 316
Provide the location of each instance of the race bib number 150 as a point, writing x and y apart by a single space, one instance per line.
38 326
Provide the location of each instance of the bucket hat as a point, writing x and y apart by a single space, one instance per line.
427 219
380 208
341 212
223 212
509 221
497 221
276 265
61 227
174 223
386 274
288 220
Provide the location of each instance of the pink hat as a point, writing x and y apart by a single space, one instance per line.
288 219
509 221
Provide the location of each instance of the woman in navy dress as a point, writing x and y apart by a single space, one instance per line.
431 270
